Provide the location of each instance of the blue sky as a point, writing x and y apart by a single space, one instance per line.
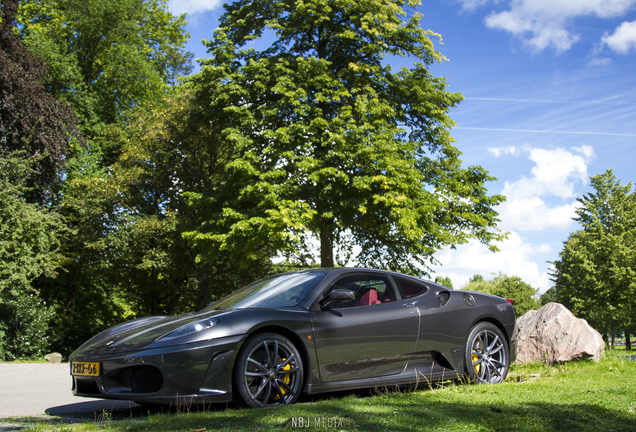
550 100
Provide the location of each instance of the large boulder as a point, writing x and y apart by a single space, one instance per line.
553 334
53 357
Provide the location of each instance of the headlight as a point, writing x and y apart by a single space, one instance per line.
193 327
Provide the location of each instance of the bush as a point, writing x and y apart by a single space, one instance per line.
24 322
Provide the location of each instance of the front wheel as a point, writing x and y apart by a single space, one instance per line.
487 357
268 371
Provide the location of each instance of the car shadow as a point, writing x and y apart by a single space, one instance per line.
95 409
102 410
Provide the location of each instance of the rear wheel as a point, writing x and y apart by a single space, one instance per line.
268 371
487 356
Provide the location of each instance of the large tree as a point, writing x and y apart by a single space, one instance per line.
595 275
31 120
329 140
172 147
29 249
107 59
106 56
29 243
35 132
168 148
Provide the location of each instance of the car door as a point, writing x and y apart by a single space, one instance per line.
371 336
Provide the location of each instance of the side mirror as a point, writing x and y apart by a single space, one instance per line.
337 295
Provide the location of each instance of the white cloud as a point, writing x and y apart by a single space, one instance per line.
193 6
542 24
623 39
535 214
555 171
502 151
515 258
599 62
471 5
555 174
545 199
537 32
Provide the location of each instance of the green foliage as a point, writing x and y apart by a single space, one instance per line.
29 249
181 193
31 120
149 255
29 234
329 143
108 59
444 280
550 296
596 274
509 287
105 56
24 325
35 130
477 278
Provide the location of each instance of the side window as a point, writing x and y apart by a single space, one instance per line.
410 287
369 290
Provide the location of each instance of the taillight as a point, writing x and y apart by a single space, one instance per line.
511 302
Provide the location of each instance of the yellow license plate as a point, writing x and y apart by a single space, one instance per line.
89 369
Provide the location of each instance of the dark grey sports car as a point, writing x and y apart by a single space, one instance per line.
306 332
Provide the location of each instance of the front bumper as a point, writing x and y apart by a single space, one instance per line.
197 372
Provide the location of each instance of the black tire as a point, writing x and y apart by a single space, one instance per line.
487 357
268 371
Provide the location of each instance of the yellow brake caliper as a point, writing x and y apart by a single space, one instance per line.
286 378
477 367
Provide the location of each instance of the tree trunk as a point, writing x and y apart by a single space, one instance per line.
326 247
628 341
204 293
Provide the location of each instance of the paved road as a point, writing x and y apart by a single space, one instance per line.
37 389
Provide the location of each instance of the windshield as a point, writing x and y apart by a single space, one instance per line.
279 292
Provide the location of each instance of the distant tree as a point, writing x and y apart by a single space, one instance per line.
549 296
444 280
595 275
477 278
330 143
139 259
478 283
515 289
510 287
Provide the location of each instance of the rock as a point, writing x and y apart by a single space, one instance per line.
53 358
553 334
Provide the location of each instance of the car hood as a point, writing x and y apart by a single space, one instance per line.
140 334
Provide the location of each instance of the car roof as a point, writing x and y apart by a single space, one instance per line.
344 270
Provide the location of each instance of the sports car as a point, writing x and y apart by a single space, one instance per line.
304 332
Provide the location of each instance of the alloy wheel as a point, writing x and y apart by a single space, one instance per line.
487 353
271 372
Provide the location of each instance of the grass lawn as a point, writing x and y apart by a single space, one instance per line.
581 396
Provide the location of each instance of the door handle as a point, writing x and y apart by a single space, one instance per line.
411 304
